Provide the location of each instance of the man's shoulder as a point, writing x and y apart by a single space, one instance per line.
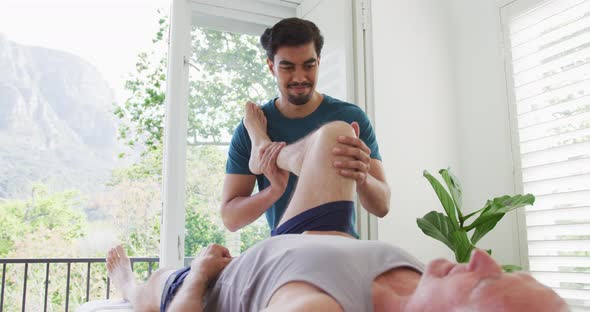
337 104
343 110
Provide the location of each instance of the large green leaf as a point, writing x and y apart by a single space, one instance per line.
463 246
507 203
484 228
487 205
444 198
437 226
500 206
455 189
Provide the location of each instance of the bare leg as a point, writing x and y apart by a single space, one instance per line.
319 182
311 158
143 296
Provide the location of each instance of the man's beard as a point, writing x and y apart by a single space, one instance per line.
300 99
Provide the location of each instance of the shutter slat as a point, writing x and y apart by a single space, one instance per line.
562 193
540 14
558 232
574 46
529 107
550 216
557 162
573 137
536 37
559 264
566 184
563 46
578 121
557 170
553 68
560 248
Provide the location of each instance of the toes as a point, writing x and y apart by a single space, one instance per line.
120 251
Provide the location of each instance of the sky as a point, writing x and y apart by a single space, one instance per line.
107 33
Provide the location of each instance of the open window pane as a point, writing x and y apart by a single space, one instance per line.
227 70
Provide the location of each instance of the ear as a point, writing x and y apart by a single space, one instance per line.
356 127
482 263
271 66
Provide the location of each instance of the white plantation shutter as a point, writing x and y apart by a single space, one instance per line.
548 61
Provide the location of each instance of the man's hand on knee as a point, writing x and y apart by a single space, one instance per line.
357 169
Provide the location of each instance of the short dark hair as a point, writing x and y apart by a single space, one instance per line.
291 32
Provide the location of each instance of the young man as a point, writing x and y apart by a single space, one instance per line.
293 48
329 272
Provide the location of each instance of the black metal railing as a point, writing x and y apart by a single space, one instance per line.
89 262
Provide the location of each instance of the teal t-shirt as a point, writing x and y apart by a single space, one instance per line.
283 129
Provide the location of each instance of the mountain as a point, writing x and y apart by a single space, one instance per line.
56 123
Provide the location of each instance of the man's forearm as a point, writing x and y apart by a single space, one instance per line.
244 210
189 298
374 195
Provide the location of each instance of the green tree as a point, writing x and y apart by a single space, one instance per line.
27 227
230 70
23 221
252 234
201 230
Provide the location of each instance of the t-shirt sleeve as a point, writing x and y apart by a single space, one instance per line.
239 152
368 135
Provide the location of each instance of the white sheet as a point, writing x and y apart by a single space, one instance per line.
117 305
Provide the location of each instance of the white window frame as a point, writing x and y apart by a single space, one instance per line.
244 17
519 226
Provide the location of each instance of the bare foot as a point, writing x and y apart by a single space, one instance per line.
119 269
255 123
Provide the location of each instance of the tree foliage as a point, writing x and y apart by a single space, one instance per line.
227 69
42 226
42 219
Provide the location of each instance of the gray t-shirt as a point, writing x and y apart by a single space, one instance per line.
344 268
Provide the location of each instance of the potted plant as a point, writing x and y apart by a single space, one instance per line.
451 228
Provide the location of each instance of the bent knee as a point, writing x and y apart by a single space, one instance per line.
328 134
337 128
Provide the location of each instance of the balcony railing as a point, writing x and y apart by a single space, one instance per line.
68 262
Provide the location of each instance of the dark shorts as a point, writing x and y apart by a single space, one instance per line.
172 285
334 216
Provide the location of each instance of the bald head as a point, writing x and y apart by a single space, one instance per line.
480 286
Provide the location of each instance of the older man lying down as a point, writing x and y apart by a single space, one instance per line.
330 273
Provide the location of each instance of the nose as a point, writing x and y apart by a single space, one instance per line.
482 263
299 75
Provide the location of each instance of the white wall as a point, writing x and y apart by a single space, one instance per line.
415 113
440 101
484 133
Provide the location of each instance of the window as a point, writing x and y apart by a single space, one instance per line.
549 69
228 69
